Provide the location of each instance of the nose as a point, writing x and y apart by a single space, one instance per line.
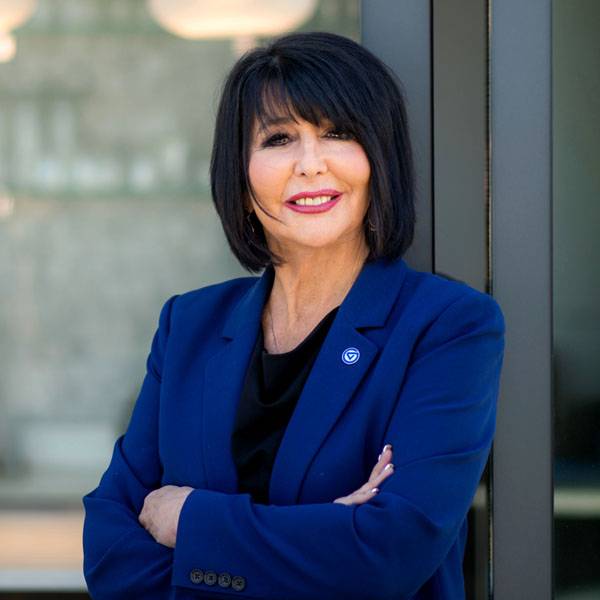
310 160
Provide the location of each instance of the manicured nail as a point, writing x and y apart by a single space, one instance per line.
379 458
388 467
386 447
375 490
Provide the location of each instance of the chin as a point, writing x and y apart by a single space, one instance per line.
316 240
321 243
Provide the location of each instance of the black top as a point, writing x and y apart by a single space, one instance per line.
272 386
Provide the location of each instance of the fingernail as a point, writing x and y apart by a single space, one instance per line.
388 467
379 458
375 490
386 447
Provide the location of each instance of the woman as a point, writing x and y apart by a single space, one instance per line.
257 460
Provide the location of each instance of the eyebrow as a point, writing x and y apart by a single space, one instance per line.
275 121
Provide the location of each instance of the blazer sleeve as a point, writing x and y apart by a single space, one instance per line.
441 431
121 559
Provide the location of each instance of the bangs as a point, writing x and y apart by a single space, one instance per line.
271 98
326 80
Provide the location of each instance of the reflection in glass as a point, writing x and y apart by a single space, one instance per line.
576 297
216 19
105 211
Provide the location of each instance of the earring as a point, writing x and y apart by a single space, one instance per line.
371 227
250 222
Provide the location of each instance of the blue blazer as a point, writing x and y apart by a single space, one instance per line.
412 359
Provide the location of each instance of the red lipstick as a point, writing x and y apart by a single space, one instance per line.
335 196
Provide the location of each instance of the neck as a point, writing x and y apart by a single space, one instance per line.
310 285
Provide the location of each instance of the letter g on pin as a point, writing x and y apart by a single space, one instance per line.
350 355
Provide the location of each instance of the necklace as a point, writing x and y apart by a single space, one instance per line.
273 331
271 316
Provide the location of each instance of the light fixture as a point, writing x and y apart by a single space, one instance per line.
238 19
13 13
8 47
7 204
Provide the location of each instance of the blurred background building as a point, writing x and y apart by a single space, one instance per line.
106 121
106 124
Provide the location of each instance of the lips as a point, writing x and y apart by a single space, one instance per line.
325 206
313 194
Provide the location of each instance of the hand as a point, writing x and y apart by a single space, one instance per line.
160 513
378 474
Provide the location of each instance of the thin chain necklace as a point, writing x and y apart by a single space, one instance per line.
271 315
273 331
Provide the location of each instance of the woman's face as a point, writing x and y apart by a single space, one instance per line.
298 158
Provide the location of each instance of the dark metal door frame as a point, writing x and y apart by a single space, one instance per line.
398 31
519 251
521 191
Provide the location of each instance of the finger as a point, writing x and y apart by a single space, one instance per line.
365 492
357 497
379 477
374 481
385 453
382 460
386 472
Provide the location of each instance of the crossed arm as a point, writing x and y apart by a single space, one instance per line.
162 507
442 431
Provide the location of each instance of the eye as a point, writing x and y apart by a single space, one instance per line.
275 140
279 139
340 134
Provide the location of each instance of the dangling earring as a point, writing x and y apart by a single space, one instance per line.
250 222
371 227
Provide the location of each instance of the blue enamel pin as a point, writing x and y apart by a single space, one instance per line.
350 355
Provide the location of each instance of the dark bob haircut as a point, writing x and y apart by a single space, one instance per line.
315 76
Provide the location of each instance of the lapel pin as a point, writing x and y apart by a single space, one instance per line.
350 356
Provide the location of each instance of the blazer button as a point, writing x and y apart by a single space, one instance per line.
196 575
238 583
224 580
210 578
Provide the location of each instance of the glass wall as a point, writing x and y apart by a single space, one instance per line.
105 211
576 297
461 202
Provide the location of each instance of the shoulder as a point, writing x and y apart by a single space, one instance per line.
438 297
193 309
221 294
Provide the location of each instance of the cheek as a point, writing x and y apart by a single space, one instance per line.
255 173
365 171
357 166
264 172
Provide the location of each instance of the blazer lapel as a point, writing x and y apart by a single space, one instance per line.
341 364
326 392
336 373
223 379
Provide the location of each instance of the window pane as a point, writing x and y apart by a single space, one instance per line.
105 211
576 298
461 200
